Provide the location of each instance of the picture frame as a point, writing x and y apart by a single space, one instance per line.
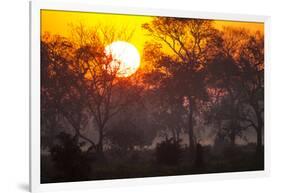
35 23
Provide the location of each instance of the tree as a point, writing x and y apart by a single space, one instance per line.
78 81
61 101
54 61
104 92
237 71
225 75
252 64
185 46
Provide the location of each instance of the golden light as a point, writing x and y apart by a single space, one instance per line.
126 58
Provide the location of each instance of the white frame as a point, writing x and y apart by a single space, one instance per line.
36 6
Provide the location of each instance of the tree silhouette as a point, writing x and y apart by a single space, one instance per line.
105 93
225 74
252 62
181 70
237 70
60 93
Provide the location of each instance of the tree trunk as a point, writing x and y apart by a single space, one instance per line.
259 134
174 135
233 128
100 143
259 141
190 125
258 128
178 135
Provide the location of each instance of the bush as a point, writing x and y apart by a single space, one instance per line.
168 152
125 136
69 160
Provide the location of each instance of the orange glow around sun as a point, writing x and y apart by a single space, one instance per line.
59 23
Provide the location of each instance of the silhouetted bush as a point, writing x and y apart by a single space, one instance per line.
168 152
125 136
69 160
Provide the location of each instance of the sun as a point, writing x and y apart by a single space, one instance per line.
125 56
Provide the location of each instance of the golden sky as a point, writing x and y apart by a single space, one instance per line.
58 22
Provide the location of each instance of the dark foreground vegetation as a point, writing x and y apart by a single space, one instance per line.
69 163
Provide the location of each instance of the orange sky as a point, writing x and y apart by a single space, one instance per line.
57 22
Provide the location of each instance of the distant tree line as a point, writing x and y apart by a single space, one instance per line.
194 75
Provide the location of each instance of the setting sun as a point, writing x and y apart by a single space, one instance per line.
125 96
126 58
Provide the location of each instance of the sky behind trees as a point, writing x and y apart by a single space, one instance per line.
59 22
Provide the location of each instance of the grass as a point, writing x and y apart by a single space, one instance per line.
143 164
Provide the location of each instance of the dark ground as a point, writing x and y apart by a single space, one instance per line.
116 165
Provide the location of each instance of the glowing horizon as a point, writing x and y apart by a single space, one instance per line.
57 22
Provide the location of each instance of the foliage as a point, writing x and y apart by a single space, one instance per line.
168 152
125 136
78 83
69 159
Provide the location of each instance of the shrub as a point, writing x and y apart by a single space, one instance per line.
168 152
69 160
